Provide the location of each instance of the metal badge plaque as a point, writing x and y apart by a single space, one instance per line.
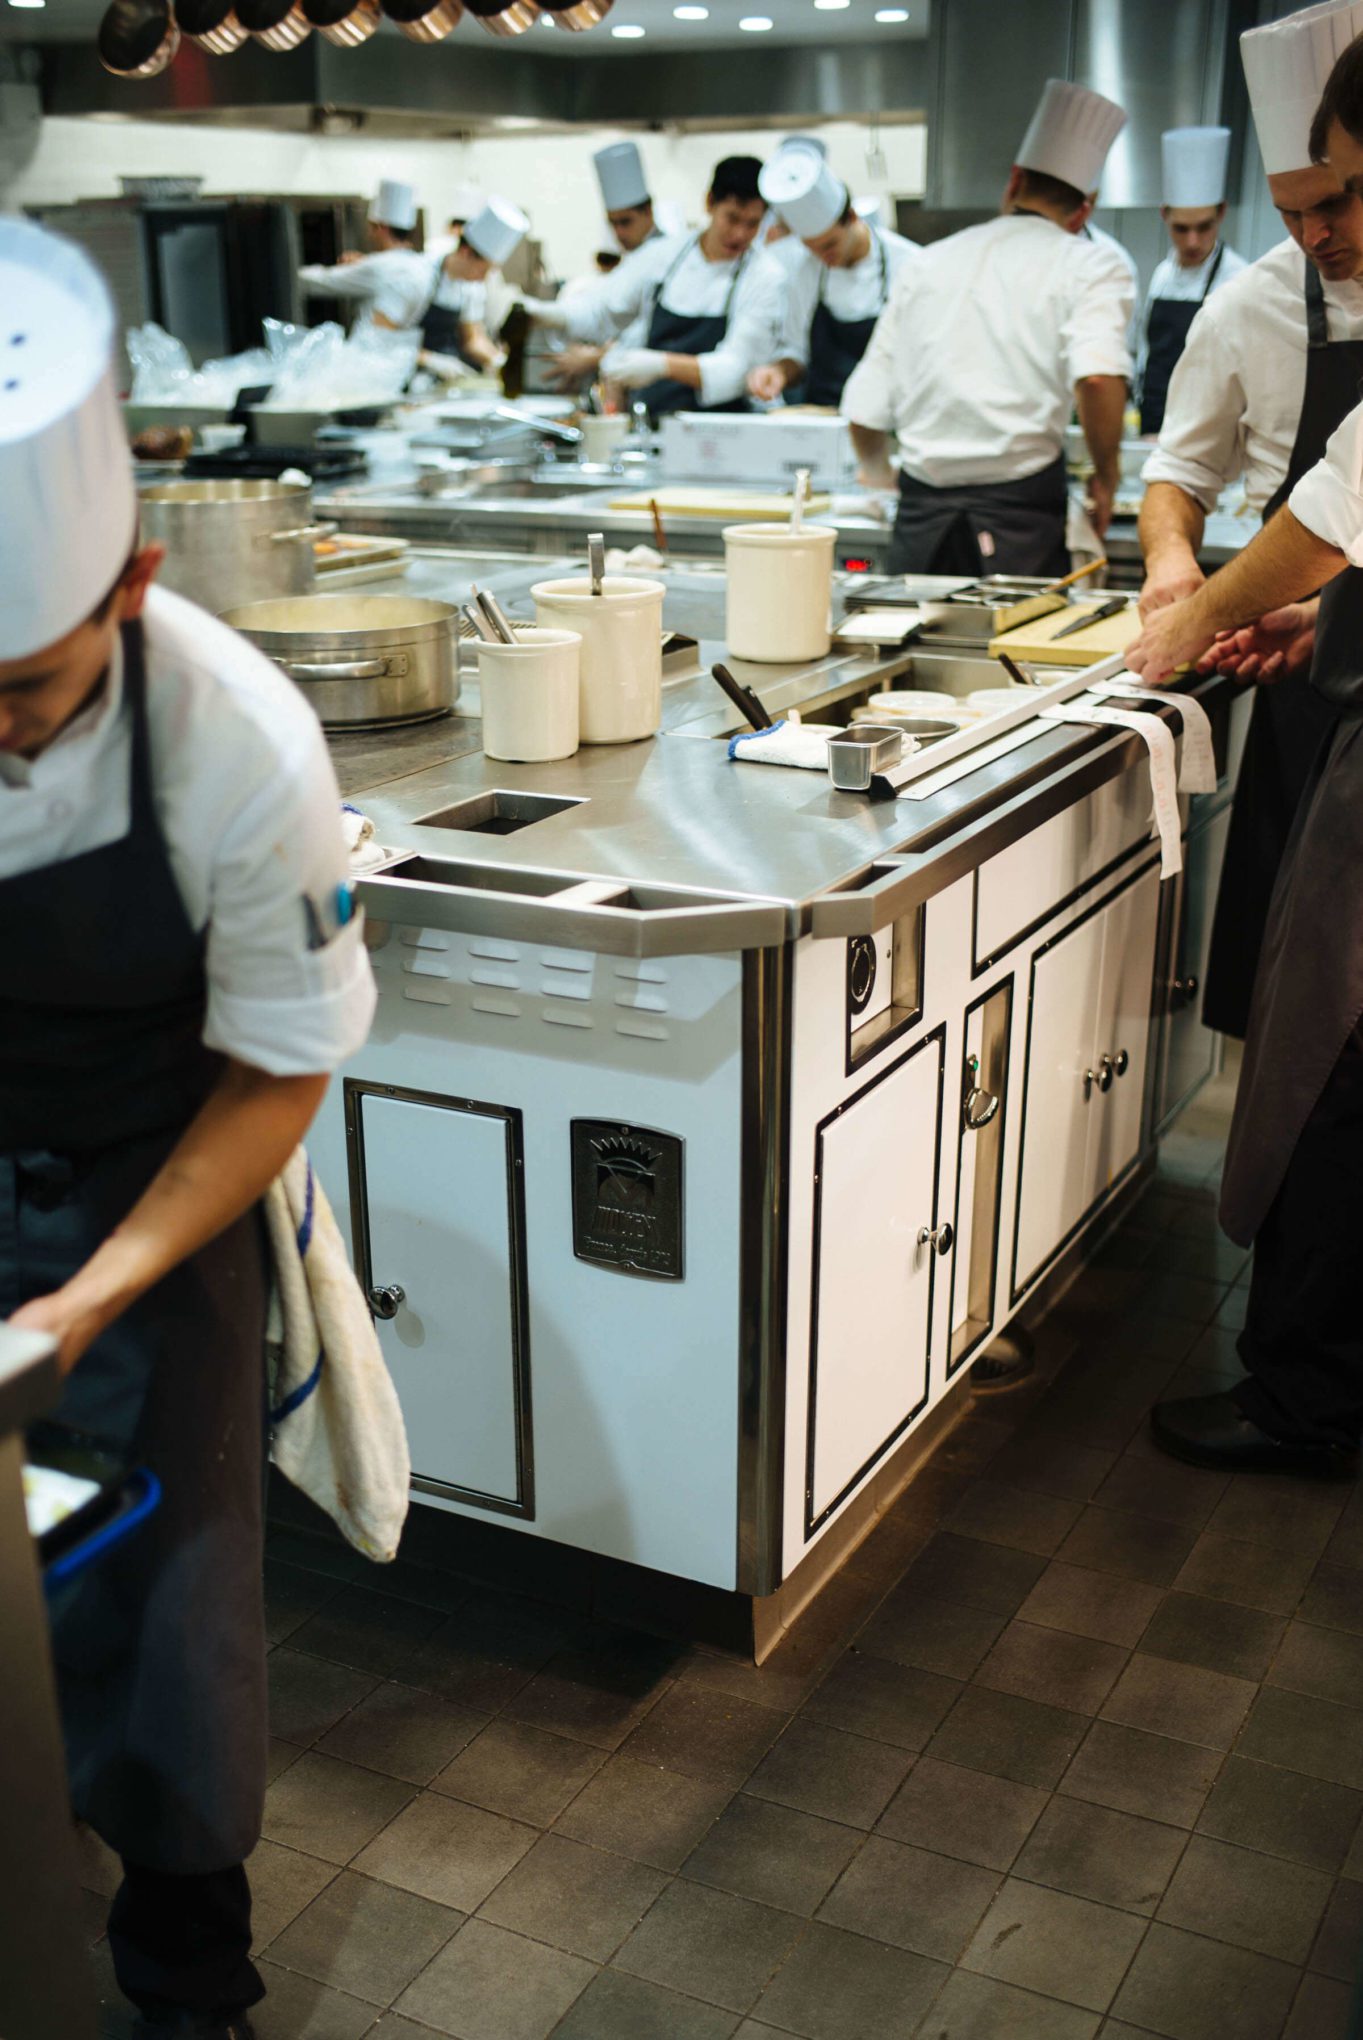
627 1198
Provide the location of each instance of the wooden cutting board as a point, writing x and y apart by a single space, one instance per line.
1036 640
731 503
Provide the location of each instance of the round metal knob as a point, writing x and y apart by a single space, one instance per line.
1107 1069
941 1238
1121 1062
386 1302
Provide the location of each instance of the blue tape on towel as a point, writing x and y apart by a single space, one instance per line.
751 736
299 1395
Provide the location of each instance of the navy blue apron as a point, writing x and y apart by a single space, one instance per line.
837 345
1308 995
442 330
687 333
1167 326
160 1649
1291 720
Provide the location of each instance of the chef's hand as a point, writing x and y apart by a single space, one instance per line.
1102 493
573 365
634 367
1170 578
766 383
72 1320
1281 642
1171 637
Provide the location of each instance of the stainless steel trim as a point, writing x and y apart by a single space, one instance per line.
559 911
871 907
763 1277
309 531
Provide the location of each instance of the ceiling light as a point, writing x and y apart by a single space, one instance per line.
756 24
691 13
892 14
28 3
831 6
628 33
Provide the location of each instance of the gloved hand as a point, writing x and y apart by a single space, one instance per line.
546 311
635 367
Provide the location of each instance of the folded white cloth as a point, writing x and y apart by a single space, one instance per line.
336 1429
366 852
785 743
635 561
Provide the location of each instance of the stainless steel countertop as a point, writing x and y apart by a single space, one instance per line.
674 811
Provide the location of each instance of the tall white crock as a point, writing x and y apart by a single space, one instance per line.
780 590
622 652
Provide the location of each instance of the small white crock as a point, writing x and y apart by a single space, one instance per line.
530 696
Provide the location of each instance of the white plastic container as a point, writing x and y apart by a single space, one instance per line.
603 434
998 700
622 652
780 589
530 696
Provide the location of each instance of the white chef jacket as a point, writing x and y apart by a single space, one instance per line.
249 810
1328 499
848 293
974 360
1235 397
460 295
1172 280
624 300
395 282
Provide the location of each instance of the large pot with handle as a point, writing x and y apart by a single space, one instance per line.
363 661
233 542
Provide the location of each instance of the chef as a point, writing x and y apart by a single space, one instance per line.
1273 363
1199 262
393 282
629 212
1293 1184
180 976
990 337
837 286
708 305
454 334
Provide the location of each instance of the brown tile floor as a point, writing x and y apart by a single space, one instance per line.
1074 1747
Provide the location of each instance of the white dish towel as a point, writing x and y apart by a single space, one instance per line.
336 1427
786 743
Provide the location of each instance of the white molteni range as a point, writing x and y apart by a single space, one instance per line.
713 1120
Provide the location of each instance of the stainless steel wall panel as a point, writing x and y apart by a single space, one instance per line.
991 64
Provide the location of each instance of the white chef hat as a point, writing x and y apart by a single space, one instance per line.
1286 65
394 205
497 231
802 188
69 514
620 173
1070 135
813 142
1195 160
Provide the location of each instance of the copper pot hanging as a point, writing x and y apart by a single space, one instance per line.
576 14
504 17
137 38
278 24
424 20
347 23
213 24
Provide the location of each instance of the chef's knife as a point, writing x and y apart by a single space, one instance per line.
1091 616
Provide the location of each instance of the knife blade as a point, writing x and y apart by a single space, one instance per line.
1091 616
